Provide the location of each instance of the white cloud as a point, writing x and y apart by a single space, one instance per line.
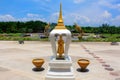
106 14
33 15
116 20
29 17
118 6
93 14
7 17
109 4
72 18
33 19
84 19
78 1
100 18
105 17
54 17
78 17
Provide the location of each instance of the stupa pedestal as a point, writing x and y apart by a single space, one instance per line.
60 69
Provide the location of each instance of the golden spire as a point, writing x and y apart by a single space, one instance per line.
60 20
60 24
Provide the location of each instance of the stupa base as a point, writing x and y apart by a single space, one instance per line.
60 70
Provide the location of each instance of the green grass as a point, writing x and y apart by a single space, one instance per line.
22 38
109 38
17 37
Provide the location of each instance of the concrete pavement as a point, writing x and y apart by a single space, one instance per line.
16 60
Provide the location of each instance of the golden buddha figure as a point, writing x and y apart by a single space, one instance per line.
60 50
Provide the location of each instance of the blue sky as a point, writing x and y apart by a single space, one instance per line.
83 12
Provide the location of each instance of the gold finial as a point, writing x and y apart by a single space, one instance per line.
60 24
60 20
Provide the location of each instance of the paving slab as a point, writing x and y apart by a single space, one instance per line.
16 60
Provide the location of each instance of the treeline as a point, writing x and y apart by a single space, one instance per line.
104 28
38 27
22 27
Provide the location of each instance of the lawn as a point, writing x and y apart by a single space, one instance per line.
35 37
